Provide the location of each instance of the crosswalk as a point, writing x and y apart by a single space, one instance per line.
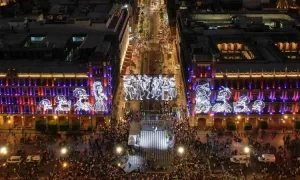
153 144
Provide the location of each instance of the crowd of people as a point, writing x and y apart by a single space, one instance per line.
93 156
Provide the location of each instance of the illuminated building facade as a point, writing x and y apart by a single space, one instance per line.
240 75
66 71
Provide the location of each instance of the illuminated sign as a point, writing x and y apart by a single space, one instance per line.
45 105
100 97
140 87
203 93
82 98
62 103
81 104
222 105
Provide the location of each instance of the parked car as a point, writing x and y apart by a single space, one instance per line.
33 159
240 159
267 158
14 160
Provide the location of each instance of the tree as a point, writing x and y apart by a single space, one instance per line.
231 126
263 125
248 127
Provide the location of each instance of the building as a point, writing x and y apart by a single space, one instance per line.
240 68
64 67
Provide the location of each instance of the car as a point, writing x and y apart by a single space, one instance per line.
33 159
267 158
240 159
14 160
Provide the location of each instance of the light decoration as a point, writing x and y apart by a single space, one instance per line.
62 103
241 106
203 93
82 98
45 105
141 86
100 97
223 106
258 106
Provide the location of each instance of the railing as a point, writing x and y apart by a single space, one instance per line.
153 122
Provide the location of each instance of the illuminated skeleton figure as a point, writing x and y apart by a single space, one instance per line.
82 98
146 86
155 91
258 105
225 107
203 93
45 105
128 87
100 97
139 90
62 103
172 88
165 87
241 105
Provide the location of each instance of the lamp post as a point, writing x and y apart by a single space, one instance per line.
64 151
3 150
119 150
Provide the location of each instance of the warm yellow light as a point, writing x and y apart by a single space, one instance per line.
285 116
8 121
65 165
119 164
55 117
119 150
63 151
3 150
239 117
246 149
180 150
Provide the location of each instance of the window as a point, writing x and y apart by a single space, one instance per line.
25 91
5 109
2 91
48 91
16 109
26 101
27 109
37 100
3 100
59 91
37 39
78 38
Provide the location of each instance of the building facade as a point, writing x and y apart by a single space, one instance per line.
237 74
62 71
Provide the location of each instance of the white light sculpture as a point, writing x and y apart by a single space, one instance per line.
172 88
62 103
147 85
82 98
258 105
45 105
155 91
223 96
128 82
241 105
141 86
100 97
203 93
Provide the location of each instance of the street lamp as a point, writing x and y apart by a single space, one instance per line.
119 149
247 150
63 151
65 165
180 150
3 150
